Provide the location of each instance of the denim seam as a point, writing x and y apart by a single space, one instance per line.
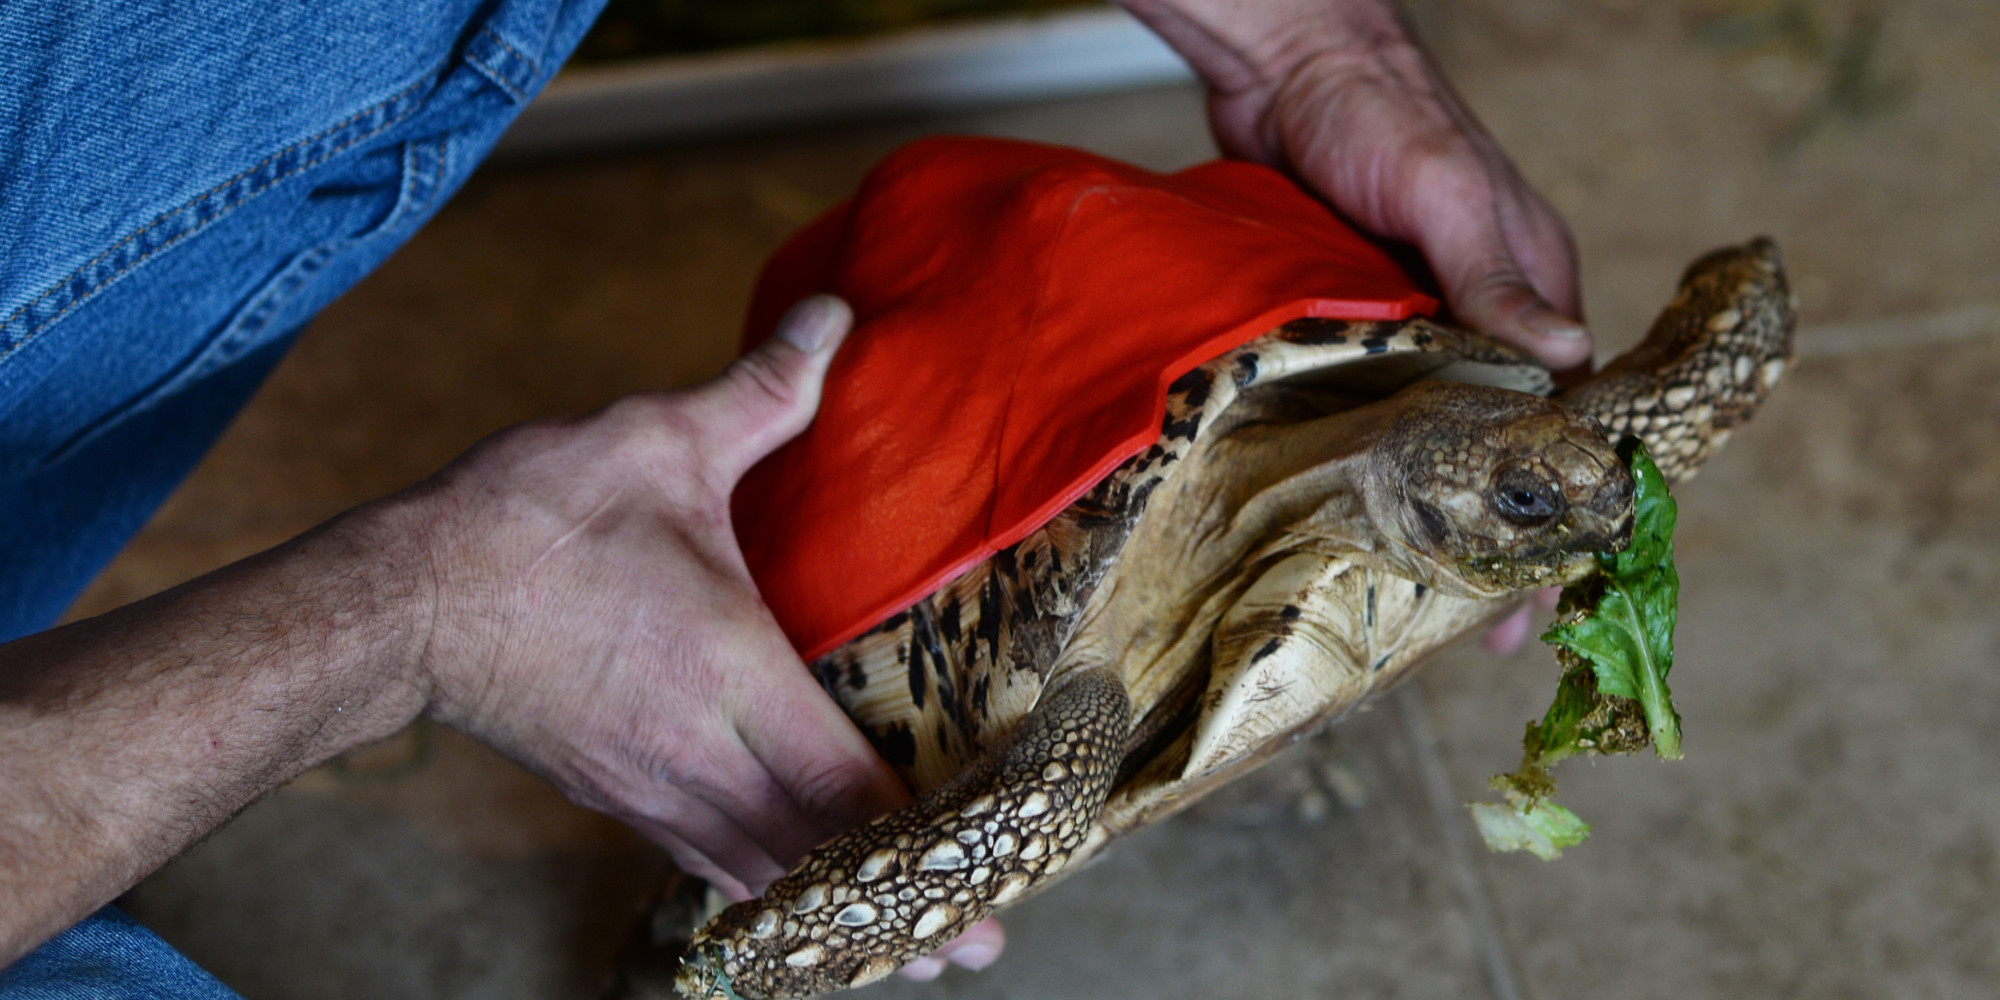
293 279
533 67
196 202
421 179
498 76
224 350
422 176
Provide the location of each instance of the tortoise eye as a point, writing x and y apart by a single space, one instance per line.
1525 500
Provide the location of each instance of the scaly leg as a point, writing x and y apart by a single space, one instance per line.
1710 358
867 902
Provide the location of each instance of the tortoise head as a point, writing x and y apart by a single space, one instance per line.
1482 491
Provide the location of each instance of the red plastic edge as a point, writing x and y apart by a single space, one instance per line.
1414 305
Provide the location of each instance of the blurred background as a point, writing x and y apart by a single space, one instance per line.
1835 828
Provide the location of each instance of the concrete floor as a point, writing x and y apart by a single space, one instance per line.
1833 832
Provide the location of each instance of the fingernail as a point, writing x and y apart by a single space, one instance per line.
1563 341
975 956
810 324
923 970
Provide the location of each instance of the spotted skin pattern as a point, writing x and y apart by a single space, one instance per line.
1710 358
862 905
1028 756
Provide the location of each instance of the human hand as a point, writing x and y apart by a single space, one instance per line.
592 618
1340 94
1373 125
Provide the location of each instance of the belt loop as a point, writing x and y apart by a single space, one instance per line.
509 48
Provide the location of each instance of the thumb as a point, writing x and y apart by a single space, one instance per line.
1506 261
1497 299
766 397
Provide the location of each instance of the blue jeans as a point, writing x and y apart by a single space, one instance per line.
183 185
108 957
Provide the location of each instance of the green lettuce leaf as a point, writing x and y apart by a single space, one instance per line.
1614 637
1622 621
1541 828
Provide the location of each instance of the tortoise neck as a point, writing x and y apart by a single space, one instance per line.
1243 491
1287 484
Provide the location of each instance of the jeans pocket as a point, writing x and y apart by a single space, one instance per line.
380 194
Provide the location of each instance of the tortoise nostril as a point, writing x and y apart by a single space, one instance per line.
1619 492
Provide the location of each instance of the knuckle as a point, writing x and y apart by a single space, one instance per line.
641 413
766 374
685 762
1446 171
1438 149
652 431
660 441
524 441
836 786
1497 280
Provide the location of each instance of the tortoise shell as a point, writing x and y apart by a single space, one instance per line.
939 683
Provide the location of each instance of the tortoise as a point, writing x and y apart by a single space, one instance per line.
1324 507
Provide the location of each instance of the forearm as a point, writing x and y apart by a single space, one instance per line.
126 737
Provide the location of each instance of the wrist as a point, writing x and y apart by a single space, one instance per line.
396 545
387 545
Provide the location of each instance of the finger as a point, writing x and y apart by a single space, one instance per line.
977 948
1548 597
745 790
1542 245
923 970
1458 212
1503 639
708 843
825 767
692 861
766 397
780 760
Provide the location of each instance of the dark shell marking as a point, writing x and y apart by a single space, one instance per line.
969 666
1012 615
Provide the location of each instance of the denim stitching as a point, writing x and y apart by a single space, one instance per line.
223 351
499 76
228 349
516 53
202 213
337 126
422 175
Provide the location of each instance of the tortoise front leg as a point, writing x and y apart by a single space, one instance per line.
867 902
1712 355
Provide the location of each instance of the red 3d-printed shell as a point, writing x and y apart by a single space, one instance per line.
1020 311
